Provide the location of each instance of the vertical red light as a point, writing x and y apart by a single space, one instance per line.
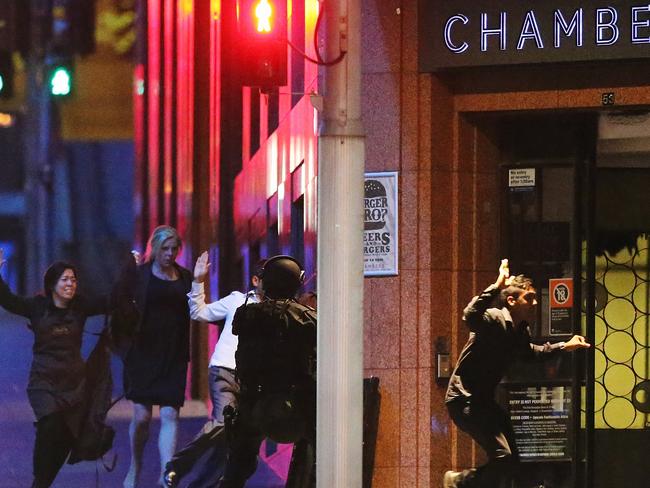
168 119
153 113
185 117
139 139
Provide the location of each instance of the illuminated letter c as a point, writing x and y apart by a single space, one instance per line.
448 42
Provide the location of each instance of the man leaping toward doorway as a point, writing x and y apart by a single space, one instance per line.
497 337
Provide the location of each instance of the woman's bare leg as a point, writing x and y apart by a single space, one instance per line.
168 435
138 434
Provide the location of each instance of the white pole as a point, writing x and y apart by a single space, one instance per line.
340 255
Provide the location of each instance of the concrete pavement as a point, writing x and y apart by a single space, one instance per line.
17 431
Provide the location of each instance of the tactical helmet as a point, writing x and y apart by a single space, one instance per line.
281 277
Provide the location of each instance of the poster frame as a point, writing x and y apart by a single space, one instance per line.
394 270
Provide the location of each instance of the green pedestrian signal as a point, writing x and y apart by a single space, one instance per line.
61 81
6 75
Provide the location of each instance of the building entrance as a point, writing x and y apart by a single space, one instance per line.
575 216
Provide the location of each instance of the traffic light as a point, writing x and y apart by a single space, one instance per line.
62 41
61 79
262 27
72 27
6 75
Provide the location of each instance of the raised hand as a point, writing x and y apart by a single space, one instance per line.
504 274
201 267
137 257
2 258
576 342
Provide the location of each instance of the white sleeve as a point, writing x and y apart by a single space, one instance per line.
206 312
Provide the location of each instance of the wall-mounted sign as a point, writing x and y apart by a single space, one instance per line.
541 421
488 33
560 304
521 179
380 252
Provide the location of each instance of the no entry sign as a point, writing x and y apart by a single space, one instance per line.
560 305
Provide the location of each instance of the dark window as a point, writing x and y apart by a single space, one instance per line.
254 256
273 112
298 229
272 241
255 122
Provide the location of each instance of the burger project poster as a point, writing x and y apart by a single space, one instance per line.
380 224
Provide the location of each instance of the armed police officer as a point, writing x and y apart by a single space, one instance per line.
276 371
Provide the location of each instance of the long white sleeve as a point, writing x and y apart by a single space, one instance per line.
210 312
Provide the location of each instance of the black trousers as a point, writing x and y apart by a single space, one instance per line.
490 427
204 458
244 445
54 440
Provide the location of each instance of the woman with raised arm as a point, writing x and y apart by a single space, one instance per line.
155 366
57 375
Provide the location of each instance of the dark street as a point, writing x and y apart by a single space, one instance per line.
17 432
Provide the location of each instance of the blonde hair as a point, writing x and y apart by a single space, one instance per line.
159 235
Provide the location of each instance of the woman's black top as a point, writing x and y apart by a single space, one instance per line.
155 368
57 376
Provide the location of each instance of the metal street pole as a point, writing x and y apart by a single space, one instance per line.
37 141
340 255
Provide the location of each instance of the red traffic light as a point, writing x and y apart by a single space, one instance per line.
264 17
262 27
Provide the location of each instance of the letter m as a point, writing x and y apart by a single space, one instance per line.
560 26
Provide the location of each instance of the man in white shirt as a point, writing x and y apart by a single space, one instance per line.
205 454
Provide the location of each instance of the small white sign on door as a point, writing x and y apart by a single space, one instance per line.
521 177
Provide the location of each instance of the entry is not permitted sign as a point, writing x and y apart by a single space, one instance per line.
560 305
541 421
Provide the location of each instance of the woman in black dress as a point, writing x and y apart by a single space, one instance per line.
57 375
155 366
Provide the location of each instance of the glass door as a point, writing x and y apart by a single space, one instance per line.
617 401
541 237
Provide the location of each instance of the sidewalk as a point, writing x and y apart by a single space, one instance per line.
17 431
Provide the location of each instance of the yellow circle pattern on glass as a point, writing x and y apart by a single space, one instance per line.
601 329
619 380
600 396
640 264
600 363
623 256
640 330
619 313
619 413
621 336
640 364
640 297
619 281
619 347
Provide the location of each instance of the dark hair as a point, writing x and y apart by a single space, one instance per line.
258 268
53 273
309 299
518 284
